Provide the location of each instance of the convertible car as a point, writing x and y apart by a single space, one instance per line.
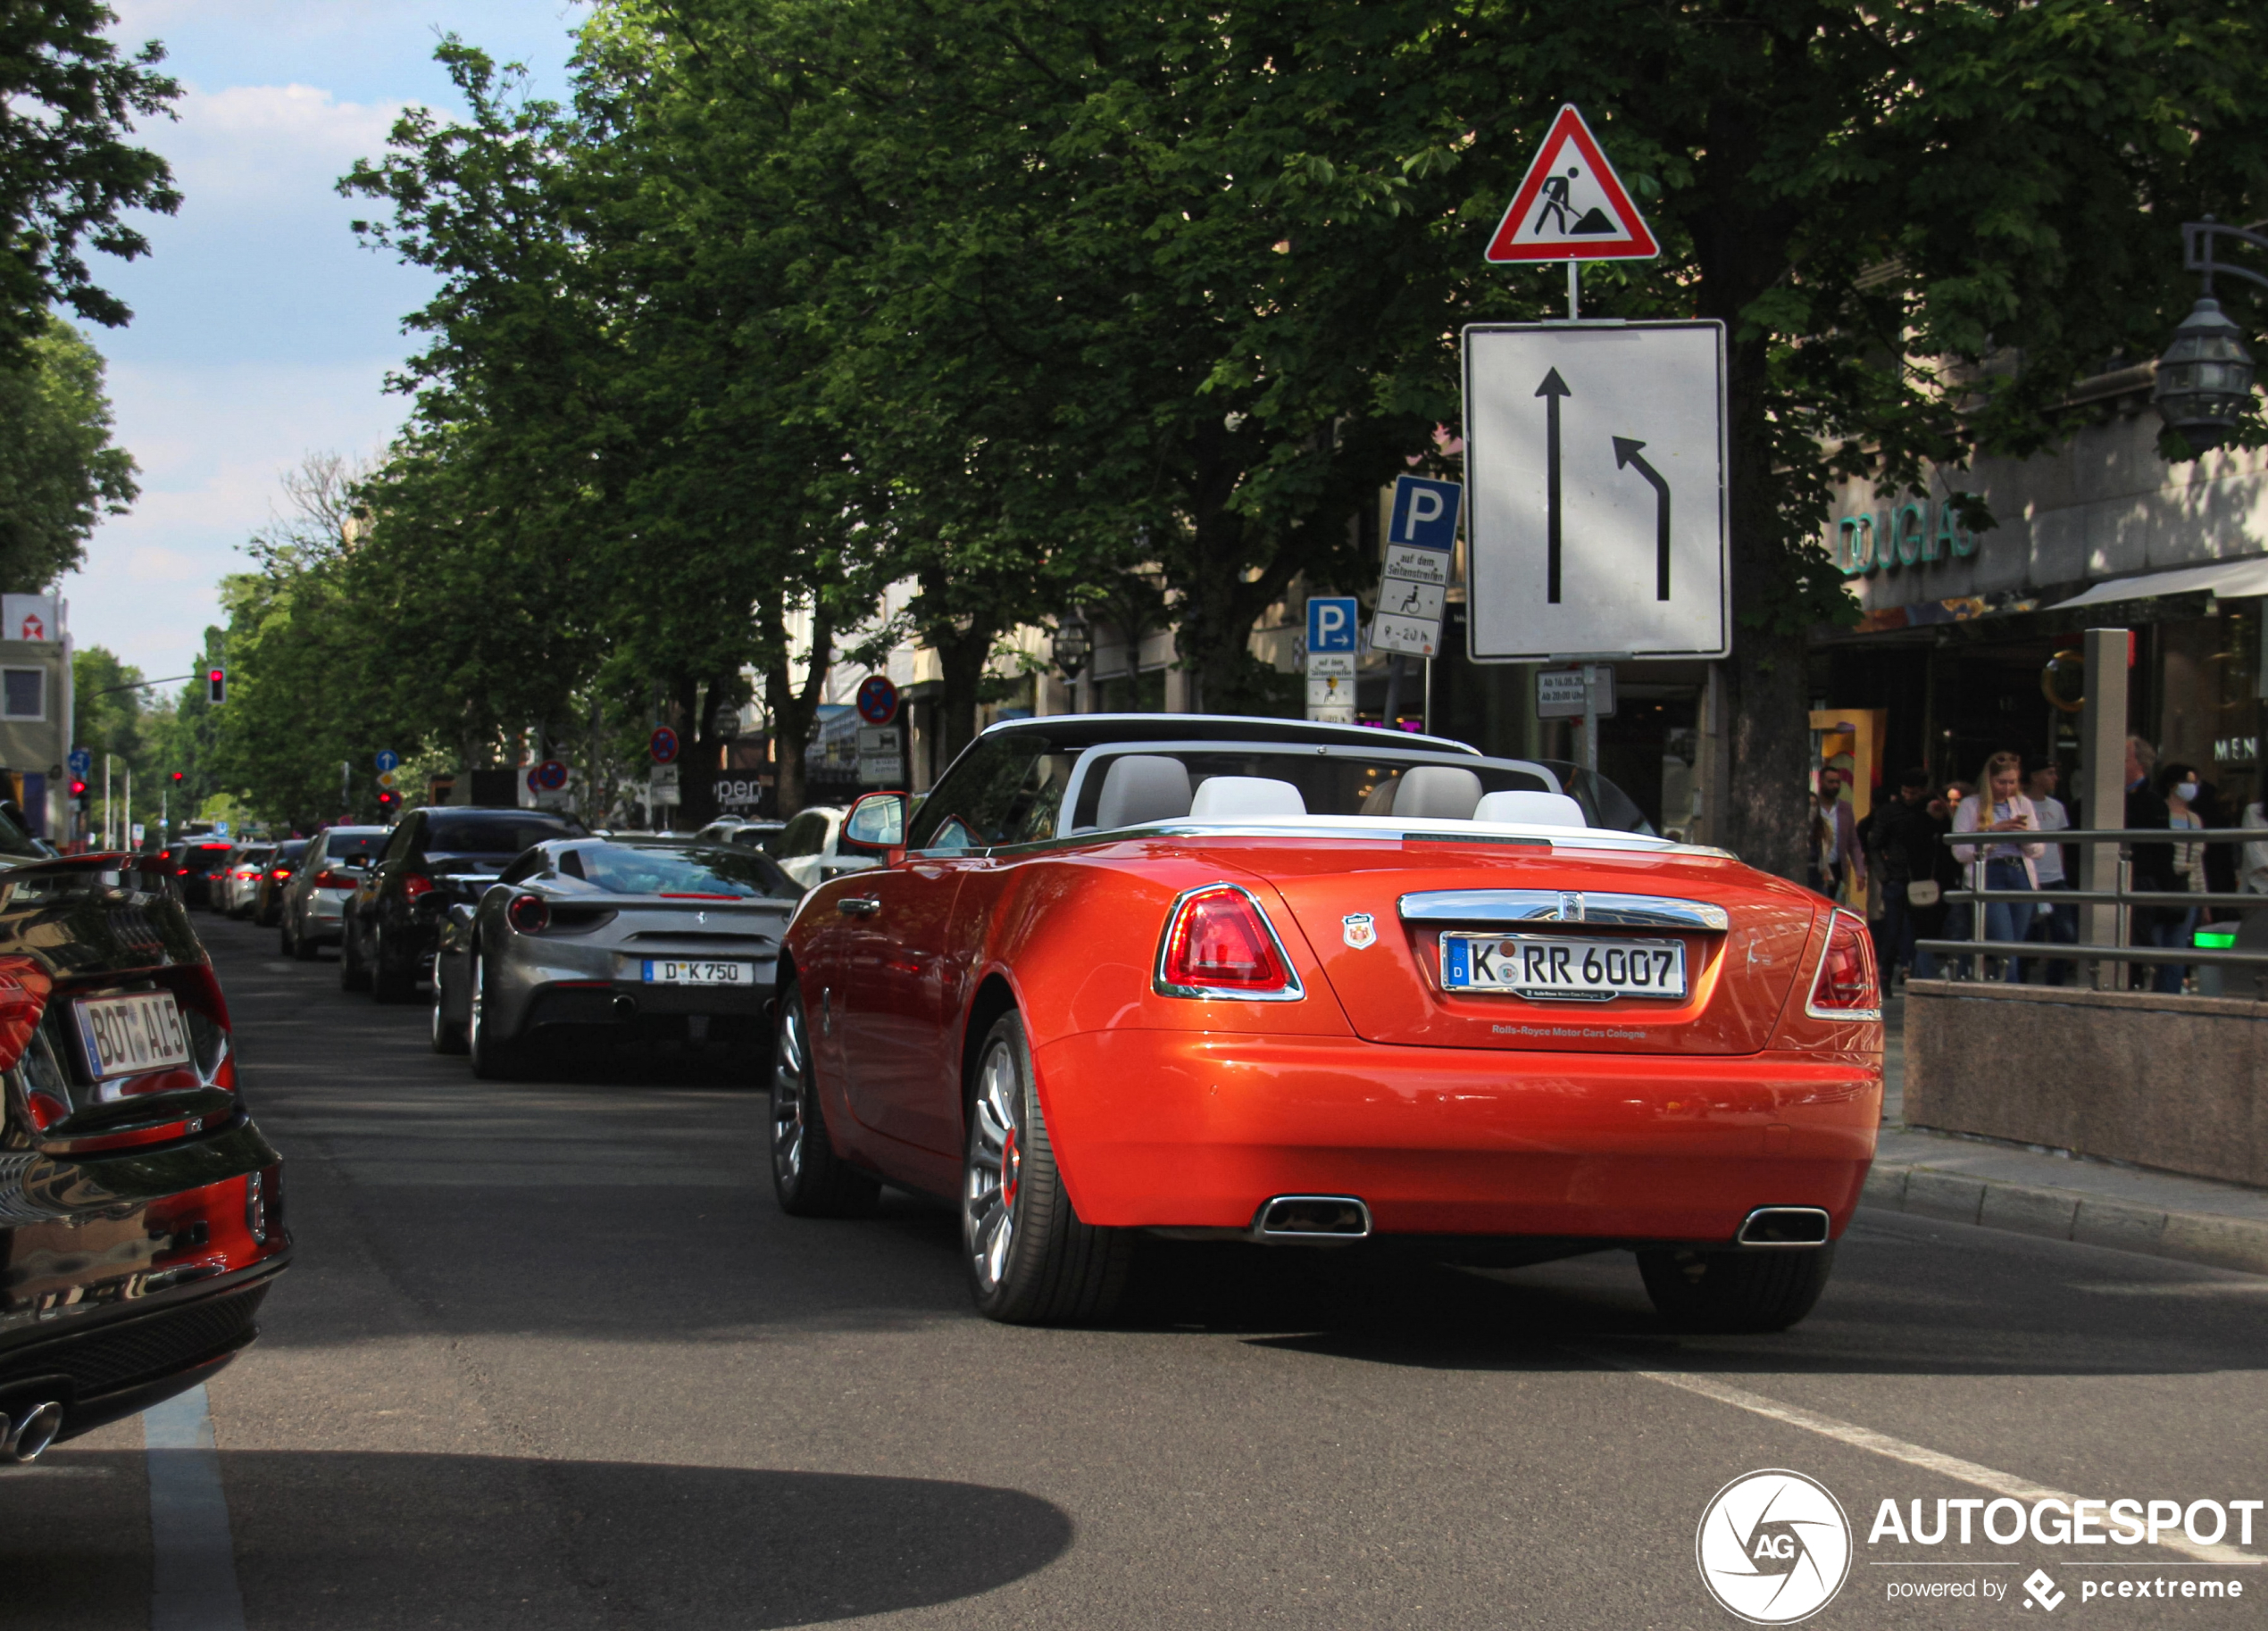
610 937
1308 985
141 1211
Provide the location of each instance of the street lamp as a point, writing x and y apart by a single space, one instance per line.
2204 379
1074 644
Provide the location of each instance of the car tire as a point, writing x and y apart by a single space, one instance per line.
810 1179
388 984
1031 1261
1735 1292
449 1036
352 975
495 1059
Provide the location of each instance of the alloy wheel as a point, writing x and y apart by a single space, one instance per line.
790 1083
995 1169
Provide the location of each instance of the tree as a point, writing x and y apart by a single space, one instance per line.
68 175
59 472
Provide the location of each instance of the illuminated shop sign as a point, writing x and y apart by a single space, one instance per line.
1915 533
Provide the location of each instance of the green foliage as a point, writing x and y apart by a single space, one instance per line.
68 175
59 472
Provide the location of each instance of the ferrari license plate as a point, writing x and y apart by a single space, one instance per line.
660 972
1562 968
125 1036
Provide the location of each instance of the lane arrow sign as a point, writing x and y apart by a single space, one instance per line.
1551 390
1626 455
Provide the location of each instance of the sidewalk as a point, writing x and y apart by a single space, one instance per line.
2008 1186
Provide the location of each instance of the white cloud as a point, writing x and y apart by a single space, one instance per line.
213 443
261 145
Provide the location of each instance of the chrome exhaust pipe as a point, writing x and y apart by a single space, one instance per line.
1783 1226
28 1436
1313 1219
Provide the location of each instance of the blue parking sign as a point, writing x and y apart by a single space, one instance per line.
1425 513
1331 622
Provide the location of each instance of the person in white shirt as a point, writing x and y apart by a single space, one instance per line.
2000 807
2057 923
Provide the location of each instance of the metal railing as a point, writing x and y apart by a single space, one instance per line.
2113 958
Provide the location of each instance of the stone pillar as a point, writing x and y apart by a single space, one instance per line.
2102 773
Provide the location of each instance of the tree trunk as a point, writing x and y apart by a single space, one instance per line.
793 708
962 656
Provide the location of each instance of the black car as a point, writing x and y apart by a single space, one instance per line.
267 902
141 1211
435 857
192 863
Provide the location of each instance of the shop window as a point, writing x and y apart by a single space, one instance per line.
23 694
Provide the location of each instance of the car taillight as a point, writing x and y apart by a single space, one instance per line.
530 914
1845 988
24 987
279 874
328 879
414 884
1219 943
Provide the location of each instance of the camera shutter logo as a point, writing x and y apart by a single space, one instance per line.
1773 1547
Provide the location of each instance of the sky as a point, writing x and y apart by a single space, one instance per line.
262 330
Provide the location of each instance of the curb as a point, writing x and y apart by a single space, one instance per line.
2211 1239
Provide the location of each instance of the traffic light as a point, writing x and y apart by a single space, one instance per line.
78 794
388 801
216 685
176 778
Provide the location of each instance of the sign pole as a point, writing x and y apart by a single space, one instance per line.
1591 717
1574 291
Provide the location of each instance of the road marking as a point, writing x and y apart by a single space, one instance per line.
1897 1450
193 1559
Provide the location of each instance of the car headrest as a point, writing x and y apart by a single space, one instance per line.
1438 791
1143 788
1531 809
1230 798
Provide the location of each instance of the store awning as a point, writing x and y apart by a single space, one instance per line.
2227 579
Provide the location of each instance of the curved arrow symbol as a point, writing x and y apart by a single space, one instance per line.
1626 454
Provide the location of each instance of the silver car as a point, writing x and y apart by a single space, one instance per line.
612 936
315 899
811 848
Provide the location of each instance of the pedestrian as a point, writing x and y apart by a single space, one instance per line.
2184 795
1836 854
2252 870
2150 866
2000 806
2054 923
1940 919
1902 844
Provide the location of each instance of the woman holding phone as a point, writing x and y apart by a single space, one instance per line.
2000 806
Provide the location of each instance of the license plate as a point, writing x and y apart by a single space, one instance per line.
126 1035
661 972
1559 968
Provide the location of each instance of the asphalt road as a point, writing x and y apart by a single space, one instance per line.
549 1357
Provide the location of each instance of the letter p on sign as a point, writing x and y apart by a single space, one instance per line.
1331 623
1425 513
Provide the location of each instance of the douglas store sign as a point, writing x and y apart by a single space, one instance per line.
1911 534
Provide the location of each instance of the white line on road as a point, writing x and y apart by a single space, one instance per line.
1897 1450
193 1572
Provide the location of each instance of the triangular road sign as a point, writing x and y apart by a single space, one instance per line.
1570 206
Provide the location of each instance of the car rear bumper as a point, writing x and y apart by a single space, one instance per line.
1197 1129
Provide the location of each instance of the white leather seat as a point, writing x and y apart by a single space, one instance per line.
1235 798
1141 788
1531 808
1436 792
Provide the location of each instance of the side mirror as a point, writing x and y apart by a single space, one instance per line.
876 822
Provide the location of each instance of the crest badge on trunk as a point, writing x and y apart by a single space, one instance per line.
1358 929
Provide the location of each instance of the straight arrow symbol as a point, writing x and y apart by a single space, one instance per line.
1625 455
1551 390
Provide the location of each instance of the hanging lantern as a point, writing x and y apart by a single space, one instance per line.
1074 646
2205 379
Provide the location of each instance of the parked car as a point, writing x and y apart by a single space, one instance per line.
741 833
622 935
810 849
238 879
141 1211
267 906
392 922
1297 984
315 896
191 863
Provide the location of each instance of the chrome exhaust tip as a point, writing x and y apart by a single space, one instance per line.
1315 1219
1784 1225
28 1436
